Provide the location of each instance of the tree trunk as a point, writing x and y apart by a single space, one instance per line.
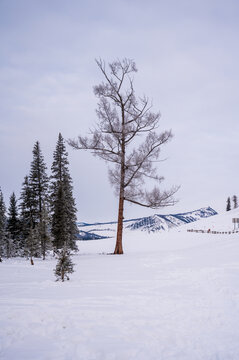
119 246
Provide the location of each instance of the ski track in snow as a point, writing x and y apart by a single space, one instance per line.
172 296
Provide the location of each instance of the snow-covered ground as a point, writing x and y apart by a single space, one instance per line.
171 296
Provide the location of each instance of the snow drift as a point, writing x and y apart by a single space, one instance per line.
173 295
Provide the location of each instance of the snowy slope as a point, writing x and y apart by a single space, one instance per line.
172 296
153 223
220 222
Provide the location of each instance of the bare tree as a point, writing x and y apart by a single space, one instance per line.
122 119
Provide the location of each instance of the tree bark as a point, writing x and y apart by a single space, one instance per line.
118 245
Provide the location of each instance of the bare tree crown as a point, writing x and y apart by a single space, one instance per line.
122 118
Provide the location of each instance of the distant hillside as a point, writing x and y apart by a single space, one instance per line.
166 222
152 223
87 235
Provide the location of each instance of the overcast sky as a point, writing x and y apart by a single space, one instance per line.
188 63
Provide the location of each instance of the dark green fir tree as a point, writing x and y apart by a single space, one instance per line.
64 227
13 224
64 265
44 230
3 228
28 207
32 244
228 208
235 201
38 181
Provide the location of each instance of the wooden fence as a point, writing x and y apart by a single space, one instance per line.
213 232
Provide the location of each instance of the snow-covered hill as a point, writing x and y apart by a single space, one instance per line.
172 295
153 223
220 222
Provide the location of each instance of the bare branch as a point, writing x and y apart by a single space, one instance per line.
122 118
155 199
147 151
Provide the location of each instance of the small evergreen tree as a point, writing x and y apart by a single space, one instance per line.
13 224
3 227
64 265
59 219
64 228
44 229
28 208
228 208
38 181
32 244
10 248
235 201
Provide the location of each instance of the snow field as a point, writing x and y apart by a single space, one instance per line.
170 296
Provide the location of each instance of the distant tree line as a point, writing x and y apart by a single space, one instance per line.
234 201
43 219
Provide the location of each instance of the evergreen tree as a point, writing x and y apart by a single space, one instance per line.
3 227
44 229
38 180
235 201
32 244
64 228
28 208
64 265
13 224
10 247
228 208
59 219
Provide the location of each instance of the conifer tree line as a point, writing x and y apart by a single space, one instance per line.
43 219
234 200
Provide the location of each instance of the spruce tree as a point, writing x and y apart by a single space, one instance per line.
13 224
10 248
64 228
235 201
38 180
228 208
64 265
32 244
3 227
44 229
28 208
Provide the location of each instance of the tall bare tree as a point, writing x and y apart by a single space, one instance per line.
122 119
